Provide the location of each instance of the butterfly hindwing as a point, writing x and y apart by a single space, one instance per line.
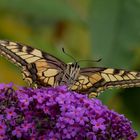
37 66
95 80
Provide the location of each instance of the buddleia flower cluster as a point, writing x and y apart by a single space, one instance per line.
58 114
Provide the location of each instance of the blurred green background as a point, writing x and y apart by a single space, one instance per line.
87 29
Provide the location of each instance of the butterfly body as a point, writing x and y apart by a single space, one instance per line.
70 75
42 69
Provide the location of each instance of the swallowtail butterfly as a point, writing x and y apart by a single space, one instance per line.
43 69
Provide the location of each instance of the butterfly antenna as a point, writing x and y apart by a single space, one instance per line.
98 60
68 54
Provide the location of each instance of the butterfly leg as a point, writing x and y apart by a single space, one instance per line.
95 92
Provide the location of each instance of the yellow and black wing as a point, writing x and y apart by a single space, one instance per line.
37 66
95 80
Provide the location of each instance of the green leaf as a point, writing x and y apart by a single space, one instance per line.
40 10
115 26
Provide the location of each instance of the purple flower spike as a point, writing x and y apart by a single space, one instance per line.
58 114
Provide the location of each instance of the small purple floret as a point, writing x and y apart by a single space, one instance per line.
10 113
57 114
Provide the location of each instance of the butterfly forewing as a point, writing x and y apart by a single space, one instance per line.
94 80
37 66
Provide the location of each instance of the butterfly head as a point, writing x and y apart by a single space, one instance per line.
70 74
73 70
73 65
